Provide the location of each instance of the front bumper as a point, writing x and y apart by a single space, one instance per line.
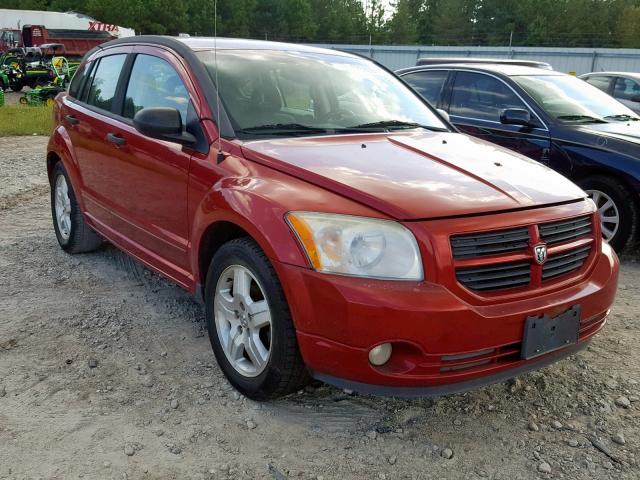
441 342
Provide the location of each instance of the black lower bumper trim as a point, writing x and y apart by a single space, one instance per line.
458 387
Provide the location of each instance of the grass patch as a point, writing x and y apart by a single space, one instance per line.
23 120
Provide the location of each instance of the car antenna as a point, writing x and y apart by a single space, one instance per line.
220 156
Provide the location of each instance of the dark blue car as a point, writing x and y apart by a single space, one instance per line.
556 119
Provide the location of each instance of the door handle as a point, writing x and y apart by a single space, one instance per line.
113 138
71 119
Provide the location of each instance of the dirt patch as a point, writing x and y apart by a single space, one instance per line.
106 372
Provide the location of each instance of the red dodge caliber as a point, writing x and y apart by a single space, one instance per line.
334 224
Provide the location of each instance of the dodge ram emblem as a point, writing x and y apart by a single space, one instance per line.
540 253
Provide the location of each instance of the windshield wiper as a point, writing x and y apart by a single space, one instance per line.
282 129
581 118
623 117
387 125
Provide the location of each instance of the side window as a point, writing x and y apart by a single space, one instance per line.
626 89
428 84
600 82
104 82
483 97
155 83
78 79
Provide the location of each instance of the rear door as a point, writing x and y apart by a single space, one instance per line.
476 102
88 116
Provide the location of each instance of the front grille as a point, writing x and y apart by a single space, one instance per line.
491 243
514 266
565 231
566 262
494 277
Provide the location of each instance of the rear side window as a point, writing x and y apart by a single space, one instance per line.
626 89
600 82
104 81
483 97
78 79
155 83
428 84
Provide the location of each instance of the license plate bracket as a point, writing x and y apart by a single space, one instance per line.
544 334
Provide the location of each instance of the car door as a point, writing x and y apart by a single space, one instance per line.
627 91
475 106
147 178
89 118
429 84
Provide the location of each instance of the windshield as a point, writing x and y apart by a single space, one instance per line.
267 92
571 100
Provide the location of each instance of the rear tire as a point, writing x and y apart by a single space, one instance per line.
72 231
249 323
614 201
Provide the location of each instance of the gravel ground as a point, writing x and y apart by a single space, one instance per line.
12 98
106 372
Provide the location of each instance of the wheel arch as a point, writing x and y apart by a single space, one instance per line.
52 159
266 227
591 170
624 182
632 184
213 237
60 149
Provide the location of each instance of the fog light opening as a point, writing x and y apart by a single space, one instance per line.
380 354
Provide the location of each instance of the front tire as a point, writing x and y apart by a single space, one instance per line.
617 207
249 323
72 231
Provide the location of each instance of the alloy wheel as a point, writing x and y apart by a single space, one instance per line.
62 205
609 214
243 320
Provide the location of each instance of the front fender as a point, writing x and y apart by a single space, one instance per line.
256 198
256 215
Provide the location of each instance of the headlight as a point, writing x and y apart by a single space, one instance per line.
365 247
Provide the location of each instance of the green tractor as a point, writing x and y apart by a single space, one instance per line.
24 67
60 73
11 72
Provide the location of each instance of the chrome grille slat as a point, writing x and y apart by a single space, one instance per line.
563 231
491 277
490 243
564 263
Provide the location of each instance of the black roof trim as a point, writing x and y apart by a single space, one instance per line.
480 60
496 69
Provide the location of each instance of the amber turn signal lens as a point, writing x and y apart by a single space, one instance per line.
305 235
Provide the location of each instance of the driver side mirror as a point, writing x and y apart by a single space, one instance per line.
635 99
515 116
162 123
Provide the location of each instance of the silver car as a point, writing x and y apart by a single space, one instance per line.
623 86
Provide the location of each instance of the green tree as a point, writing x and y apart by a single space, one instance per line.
339 21
628 28
454 22
403 26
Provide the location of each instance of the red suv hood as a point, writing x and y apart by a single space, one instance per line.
417 175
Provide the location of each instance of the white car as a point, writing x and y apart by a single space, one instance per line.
623 86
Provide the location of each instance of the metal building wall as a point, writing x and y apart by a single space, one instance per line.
578 60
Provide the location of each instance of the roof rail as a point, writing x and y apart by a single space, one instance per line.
503 61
